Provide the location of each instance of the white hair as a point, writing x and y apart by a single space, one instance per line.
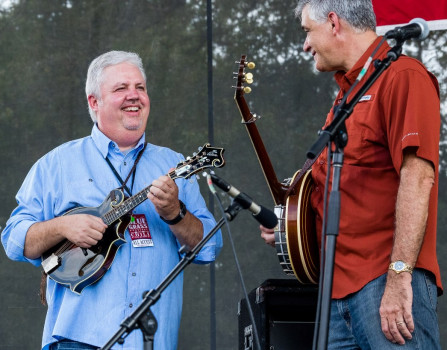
358 13
96 69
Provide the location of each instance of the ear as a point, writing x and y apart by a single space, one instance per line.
334 21
93 102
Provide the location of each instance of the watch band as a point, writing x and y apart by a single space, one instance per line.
399 266
179 217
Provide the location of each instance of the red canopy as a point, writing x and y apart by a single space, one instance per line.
390 13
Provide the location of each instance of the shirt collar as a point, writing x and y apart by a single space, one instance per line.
346 79
104 144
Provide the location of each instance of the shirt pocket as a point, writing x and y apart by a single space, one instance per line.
354 150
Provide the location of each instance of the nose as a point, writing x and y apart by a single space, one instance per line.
132 94
306 46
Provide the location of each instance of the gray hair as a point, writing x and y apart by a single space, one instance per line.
358 13
96 69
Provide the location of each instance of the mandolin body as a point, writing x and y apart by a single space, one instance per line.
78 267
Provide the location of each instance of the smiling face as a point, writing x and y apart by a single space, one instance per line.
123 108
320 42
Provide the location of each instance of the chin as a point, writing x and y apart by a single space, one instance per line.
324 69
320 67
134 125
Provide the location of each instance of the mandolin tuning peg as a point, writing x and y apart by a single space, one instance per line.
249 81
247 89
250 65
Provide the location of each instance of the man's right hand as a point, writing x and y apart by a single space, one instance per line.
83 230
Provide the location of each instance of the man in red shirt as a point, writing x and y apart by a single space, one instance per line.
386 274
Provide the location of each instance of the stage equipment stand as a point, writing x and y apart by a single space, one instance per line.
142 317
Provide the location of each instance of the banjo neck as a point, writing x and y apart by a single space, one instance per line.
277 189
295 237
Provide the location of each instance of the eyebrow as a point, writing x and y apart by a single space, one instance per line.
123 83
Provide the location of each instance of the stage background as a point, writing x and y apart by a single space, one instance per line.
45 49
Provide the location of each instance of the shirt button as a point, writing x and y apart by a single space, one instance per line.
321 162
125 163
134 274
130 305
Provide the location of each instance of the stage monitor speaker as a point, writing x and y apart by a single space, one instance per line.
284 313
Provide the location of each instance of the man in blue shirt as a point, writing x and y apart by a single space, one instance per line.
82 173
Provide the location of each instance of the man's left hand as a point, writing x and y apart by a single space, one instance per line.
164 195
395 308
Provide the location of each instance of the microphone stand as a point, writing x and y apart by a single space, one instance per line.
142 317
336 133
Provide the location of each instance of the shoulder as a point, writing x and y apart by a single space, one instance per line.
69 149
409 73
410 65
161 152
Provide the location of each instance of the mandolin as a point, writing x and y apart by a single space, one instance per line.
77 268
295 237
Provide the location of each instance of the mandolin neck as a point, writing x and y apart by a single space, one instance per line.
125 207
131 202
206 157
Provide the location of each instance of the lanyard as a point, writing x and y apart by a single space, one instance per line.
131 172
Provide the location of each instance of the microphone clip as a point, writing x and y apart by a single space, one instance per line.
233 209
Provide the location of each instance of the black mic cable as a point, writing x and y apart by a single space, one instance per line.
238 267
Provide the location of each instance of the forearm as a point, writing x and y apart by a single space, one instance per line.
81 229
189 231
41 236
416 182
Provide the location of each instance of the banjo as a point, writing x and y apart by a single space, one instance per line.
295 237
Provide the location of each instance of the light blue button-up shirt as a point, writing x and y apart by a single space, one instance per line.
77 174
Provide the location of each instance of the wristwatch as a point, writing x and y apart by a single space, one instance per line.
179 217
400 266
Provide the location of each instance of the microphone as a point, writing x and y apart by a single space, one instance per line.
264 216
417 29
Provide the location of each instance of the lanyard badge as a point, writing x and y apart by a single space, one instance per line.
139 231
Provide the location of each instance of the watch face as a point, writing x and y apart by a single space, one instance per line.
399 265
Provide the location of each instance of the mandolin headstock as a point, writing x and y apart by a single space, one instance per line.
206 157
